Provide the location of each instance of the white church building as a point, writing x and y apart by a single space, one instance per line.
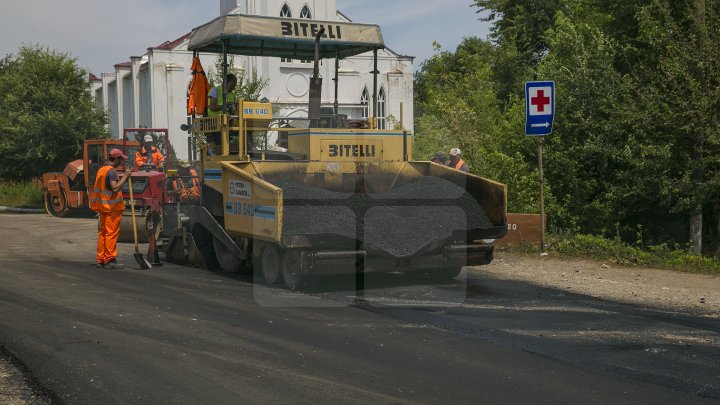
151 90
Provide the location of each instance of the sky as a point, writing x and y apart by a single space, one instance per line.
101 33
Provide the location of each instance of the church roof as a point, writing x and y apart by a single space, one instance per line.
172 44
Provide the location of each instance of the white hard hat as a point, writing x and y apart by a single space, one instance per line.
455 152
148 138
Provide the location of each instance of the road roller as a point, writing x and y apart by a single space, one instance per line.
66 192
334 195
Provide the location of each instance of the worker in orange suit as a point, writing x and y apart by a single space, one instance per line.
188 185
149 154
456 160
107 200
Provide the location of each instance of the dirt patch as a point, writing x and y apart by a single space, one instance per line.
15 386
666 289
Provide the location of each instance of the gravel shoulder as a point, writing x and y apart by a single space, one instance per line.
16 388
697 294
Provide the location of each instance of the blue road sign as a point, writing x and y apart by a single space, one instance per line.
539 108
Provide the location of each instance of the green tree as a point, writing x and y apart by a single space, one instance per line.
519 28
679 86
522 23
583 159
46 112
636 135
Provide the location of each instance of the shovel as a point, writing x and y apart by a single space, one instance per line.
141 261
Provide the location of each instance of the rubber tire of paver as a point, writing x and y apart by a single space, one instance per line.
271 264
292 269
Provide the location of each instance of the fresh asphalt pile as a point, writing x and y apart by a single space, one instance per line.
401 222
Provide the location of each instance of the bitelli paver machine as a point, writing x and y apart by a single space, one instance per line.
343 197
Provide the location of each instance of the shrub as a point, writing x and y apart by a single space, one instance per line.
20 195
619 252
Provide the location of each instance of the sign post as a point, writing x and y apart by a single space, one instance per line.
539 116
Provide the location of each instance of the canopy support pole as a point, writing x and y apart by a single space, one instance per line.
315 104
225 123
224 74
337 78
375 89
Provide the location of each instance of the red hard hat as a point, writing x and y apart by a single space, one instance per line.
117 153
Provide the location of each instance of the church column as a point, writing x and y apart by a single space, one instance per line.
136 60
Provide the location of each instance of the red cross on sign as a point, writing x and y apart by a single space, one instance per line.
540 101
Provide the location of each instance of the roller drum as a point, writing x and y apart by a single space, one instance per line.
146 225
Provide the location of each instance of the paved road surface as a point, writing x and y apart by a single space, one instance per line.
181 335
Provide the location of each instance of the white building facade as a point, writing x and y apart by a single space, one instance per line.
151 90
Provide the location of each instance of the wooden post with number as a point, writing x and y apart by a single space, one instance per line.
542 195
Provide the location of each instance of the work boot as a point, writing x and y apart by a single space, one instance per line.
113 264
99 266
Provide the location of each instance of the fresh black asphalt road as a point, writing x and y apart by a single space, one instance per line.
180 335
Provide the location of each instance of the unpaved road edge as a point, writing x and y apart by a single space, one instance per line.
17 386
697 294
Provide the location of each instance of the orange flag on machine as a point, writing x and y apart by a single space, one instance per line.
198 90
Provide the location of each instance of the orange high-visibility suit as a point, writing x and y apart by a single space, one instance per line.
141 157
110 205
189 188
459 164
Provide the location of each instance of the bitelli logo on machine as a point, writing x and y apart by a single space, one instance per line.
309 30
352 151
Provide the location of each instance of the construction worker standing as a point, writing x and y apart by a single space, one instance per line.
108 201
148 154
456 161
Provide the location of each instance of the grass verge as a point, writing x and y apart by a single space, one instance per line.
20 195
618 252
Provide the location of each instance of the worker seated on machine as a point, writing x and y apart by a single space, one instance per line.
149 157
216 107
187 184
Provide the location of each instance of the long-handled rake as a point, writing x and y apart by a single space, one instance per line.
139 258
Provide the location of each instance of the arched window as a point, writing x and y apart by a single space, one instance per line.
365 103
381 109
306 13
285 12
